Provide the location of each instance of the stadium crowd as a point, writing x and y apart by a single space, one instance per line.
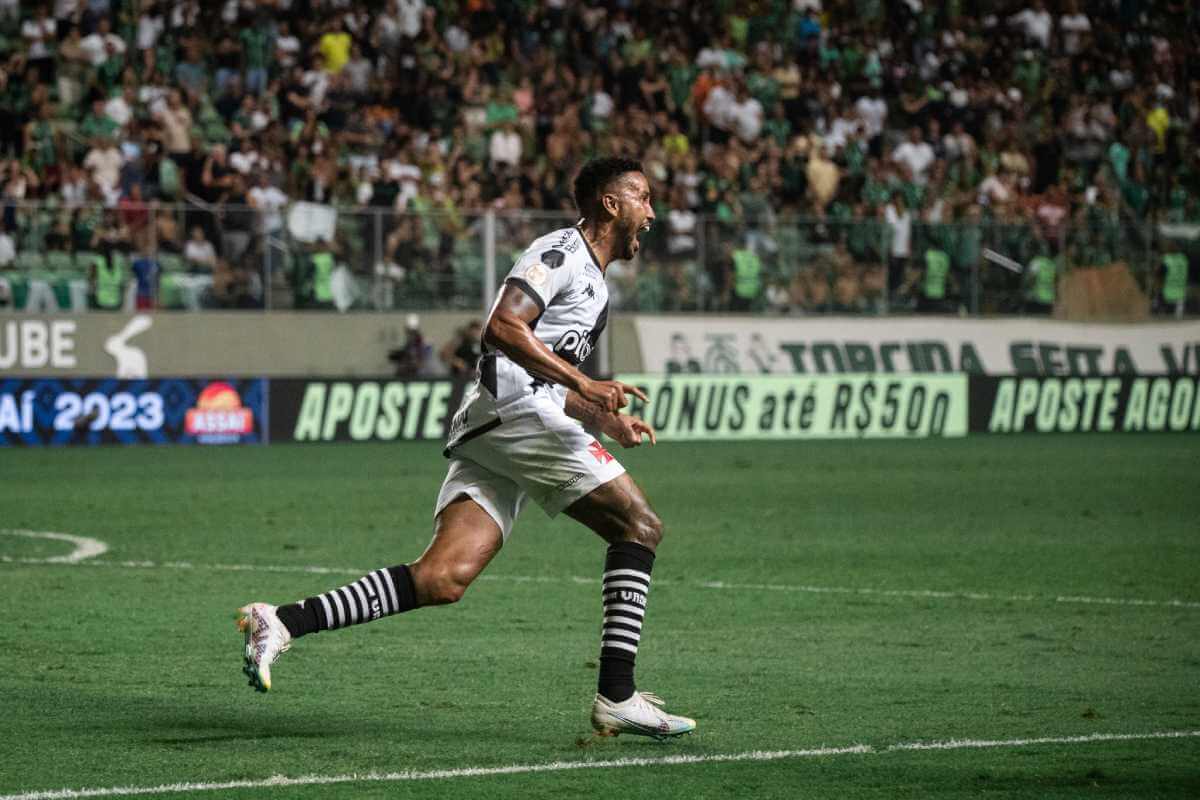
1062 130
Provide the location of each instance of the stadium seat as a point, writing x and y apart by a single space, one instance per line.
171 263
84 259
30 260
121 261
169 293
59 261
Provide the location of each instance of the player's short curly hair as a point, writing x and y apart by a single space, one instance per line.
595 177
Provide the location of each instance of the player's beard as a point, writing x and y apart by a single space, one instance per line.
627 233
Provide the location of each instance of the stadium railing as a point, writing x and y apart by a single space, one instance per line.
312 256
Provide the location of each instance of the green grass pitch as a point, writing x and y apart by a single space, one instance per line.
810 595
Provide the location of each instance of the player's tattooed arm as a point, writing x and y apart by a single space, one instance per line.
626 430
509 329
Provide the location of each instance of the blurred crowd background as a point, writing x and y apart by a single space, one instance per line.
804 155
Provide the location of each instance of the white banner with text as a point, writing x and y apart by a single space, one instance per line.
846 345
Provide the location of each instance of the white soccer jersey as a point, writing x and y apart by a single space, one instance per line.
560 273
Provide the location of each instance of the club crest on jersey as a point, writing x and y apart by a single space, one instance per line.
536 275
599 453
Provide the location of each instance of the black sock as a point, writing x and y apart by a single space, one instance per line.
625 584
375 595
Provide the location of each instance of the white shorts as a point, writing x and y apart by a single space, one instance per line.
537 452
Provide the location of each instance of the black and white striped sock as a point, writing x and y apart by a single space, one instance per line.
626 582
375 595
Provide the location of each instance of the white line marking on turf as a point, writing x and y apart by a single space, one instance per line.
717 585
278 781
85 546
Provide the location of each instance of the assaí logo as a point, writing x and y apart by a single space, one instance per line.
219 417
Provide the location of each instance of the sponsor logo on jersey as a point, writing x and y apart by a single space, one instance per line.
569 241
574 346
554 258
598 452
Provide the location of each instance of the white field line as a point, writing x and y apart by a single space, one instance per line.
280 781
716 585
88 560
85 546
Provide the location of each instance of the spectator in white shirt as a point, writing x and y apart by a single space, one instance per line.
747 116
40 35
505 146
915 155
410 17
66 9
718 106
176 123
150 26
873 112
899 220
681 224
97 44
199 251
287 46
120 107
8 251
1035 22
842 128
103 163
246 158
267 200
74 187
1075 27
958 143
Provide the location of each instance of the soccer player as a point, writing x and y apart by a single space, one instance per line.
527 428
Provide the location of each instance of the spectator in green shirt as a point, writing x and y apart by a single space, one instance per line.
256 55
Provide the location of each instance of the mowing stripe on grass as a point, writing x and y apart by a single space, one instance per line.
85 552
934 594
280 781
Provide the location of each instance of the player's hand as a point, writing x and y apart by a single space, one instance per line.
610 395
628 431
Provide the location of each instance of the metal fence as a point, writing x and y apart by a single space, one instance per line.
193 257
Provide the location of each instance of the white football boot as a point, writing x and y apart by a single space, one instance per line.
641 714
266 638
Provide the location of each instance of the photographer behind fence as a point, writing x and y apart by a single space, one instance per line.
412 359
460 354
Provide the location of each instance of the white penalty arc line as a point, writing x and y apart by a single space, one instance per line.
282 781
86 550
85 546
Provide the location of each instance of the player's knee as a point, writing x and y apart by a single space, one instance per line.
447 588
443 585
646 529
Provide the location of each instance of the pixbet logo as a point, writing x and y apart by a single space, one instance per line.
574 346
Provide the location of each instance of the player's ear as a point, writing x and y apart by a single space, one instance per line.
610 204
